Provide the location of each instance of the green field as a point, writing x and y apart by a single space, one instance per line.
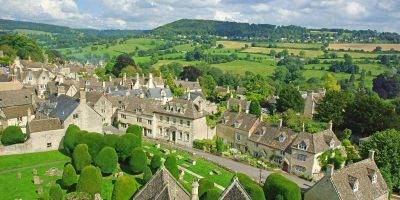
241 66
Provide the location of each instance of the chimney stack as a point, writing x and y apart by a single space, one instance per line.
330 125
82 96
28 115
109 78
195 191
280 123
371 154
330 169
188 96
304 127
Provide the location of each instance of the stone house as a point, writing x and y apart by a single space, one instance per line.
361 180
38 79
12 84
45 134
102 105
189 86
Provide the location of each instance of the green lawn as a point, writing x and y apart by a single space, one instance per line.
241 66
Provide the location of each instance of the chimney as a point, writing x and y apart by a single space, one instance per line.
33 99
371 154
330 169
82 96
13 78
195 191
188 96
280 123
330 125
124 79
28 115
104 84
109 78
61 79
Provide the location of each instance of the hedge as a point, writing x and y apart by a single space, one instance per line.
55 192
123 148
110 140
90 181
203 144
12 135
81 157
135 129
95 142
134 140
70 138
107 160
252 188
212 194
277 185
204 186
147 174
124 188
155 163
69 176
171 166
138 161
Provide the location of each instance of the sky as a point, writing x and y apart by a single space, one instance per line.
381 15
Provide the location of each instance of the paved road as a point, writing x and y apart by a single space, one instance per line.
235 166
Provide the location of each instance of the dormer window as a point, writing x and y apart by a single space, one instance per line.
236 124
281 138
332 144
372 175
354 183
302 146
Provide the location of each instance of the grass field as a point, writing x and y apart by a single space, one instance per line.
265 50
233 44
365 47
241 66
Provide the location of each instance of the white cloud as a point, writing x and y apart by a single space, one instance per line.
355 10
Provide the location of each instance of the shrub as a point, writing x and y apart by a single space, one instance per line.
81 157
135 129
69 176
110 140
155 163
12 135
70 138
55 192
251 187
123 148
171 166
277 185
220 145
204 186
77 196
137 161
134 141
107 160
147 174
89 181
212 194
124 188
203 144
95 142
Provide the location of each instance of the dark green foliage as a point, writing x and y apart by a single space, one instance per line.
204 186
81 157
171 166
252 188
208 85
332 107
55 192
255 108
23 46
220 145
134 140
12 135
387 155
212 194
147 174
110 140
155 163
95 142
124 188
69 176
136 130
121 62
289 98
137 161
107 160
70 138
123 148
89 181
276 185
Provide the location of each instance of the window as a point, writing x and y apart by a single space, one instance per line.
256 144
188 123
123 116
173 120
160 130
167 119
237 137
123 125
187 137
301 157
302 146
103 119
103 110
300 169
48 144
20 119
75 116
139 119
281 138
149 122
282 152
181 122
180 136
44 78
161 118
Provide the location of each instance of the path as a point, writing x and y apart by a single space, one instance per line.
235 166
200 177
31 166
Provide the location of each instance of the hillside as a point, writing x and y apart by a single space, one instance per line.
234 30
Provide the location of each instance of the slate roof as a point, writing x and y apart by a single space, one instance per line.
182 108
316 142
155 93
92 97
15 97
64 106
242 120
162 186
39 125
235 191
269 136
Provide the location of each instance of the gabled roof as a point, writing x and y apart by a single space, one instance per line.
243 121
268 135
192 85
16 111
235 191
65 105
181 108
316 142
48 124
15 97
162 186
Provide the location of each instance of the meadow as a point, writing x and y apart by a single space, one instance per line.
364 47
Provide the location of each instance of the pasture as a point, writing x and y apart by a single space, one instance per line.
364 47
241 66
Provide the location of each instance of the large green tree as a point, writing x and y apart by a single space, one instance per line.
107 160
289 98
124 188
278 186
81 157
138 161
71 138
208 84
121 62
90 181
171 166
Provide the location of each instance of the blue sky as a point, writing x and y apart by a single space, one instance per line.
381 15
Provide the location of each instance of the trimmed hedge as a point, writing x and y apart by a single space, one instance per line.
69 176
110 140
252 188
55 192
134 140
81 157
277 185
123 148
204 186
124 188
171 166
203 144
95 142
155 163
107 160
212 194
138 161
90 181
135 129
147 174
12 135
70 138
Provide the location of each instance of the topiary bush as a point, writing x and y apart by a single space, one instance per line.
135 129
89 181
212 194
12 135
55 192
95 142
252 188
138 161
134 140
107 160
110 140
147 174
277 185
124 188
69 176
171 166
123 148
70 138
204 186
155 163
81 157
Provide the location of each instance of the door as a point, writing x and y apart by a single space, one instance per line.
173 136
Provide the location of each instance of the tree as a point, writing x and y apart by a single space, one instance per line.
212 194
334 157
110 140
55 192
208 85
89 181
121 62
386 145
251 187
23 46
94 141
155 163
81 157
107 160
69 176
277 185
124 188
137 161
147 174
123 148
290 98
135 129
255 108
331 82
171 166
12 135
70 138
191 73
204 186
387 85
219 145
